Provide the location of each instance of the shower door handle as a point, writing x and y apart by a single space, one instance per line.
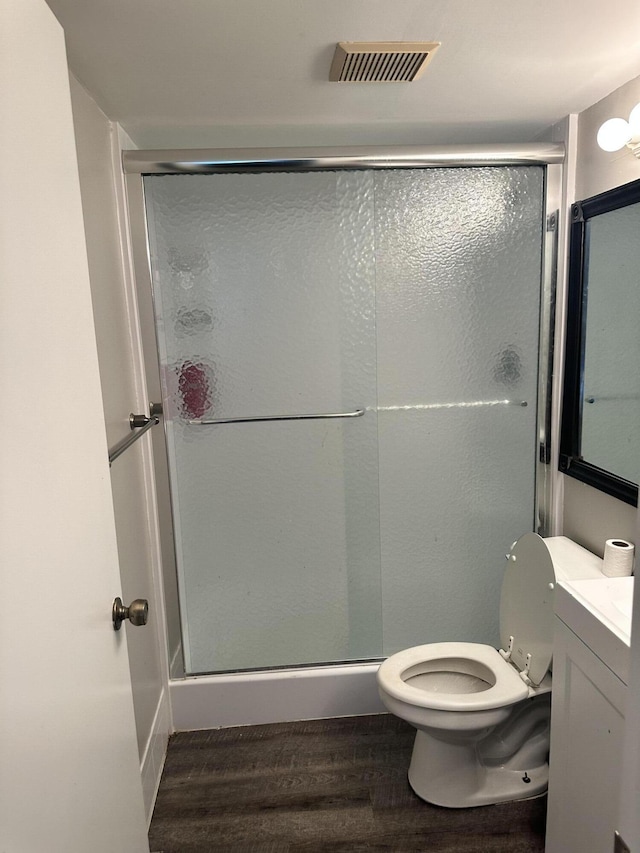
137 612
358 413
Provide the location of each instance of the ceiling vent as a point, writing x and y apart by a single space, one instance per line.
381 61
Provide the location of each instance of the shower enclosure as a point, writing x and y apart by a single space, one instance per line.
349 355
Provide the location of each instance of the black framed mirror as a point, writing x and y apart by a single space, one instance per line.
600 433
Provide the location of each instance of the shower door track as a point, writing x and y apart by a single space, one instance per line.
212 161
139 163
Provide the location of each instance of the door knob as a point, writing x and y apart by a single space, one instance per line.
137 612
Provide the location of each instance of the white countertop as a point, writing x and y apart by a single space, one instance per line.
598 611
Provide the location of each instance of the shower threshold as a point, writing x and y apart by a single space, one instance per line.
275 696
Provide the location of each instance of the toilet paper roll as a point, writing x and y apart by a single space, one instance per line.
618 558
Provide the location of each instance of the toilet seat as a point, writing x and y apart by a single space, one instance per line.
472 658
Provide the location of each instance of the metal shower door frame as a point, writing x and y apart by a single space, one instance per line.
139 163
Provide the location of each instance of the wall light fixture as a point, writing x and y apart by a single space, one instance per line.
615 133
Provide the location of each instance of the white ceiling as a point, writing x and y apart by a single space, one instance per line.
216 72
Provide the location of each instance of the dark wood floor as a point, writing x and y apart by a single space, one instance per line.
334 785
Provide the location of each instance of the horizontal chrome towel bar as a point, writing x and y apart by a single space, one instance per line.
208 422
473 404
359 412
139 423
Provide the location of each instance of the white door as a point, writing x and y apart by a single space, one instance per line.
69 773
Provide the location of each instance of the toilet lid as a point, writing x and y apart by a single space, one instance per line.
526 605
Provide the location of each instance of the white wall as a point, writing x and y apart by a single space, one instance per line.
123 392
600 170
590 516
320 135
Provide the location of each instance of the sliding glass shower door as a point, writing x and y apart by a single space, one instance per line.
400 309
265 301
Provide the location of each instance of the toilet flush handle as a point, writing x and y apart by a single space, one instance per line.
137 612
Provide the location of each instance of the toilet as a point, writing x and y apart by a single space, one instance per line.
482 714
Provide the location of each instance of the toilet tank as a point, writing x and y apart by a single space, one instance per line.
534 567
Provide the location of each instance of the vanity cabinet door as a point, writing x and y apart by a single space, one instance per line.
587 727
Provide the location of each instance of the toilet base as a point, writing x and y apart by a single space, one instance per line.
448 774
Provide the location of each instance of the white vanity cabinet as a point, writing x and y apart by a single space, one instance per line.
590 670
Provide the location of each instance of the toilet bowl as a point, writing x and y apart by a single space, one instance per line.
482 714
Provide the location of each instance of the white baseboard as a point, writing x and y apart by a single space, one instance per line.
242 699
155 753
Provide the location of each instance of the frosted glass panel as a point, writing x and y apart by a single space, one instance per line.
411 293
458 279
458 269
456 491
265 302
